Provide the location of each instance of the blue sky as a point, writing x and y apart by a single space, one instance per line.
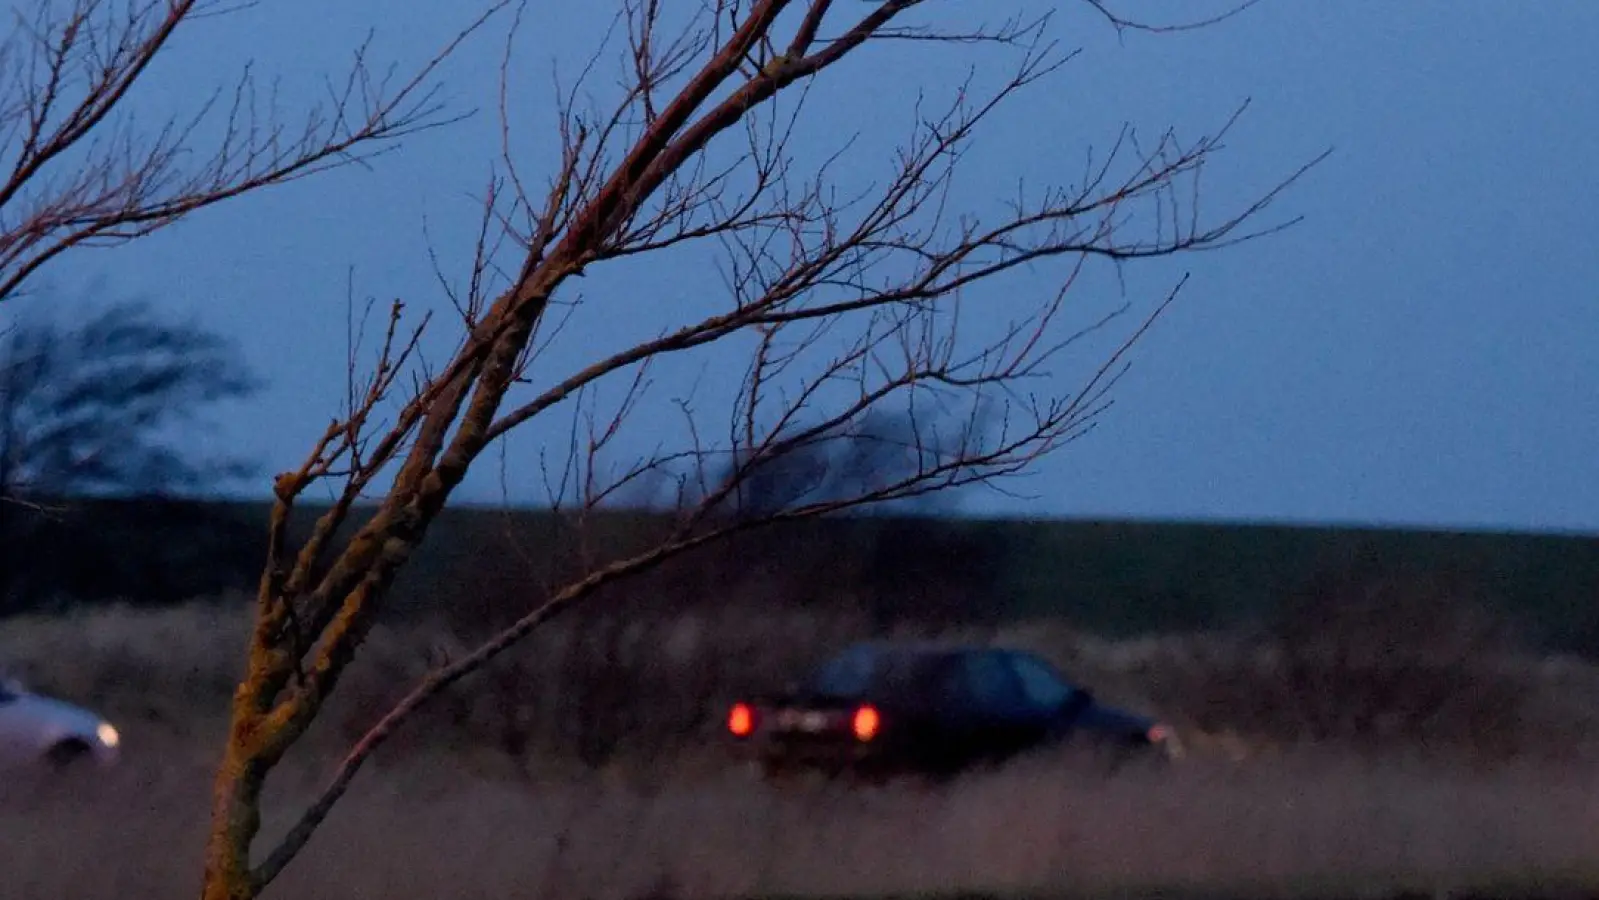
1421 350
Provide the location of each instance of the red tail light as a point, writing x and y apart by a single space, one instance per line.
741 720
866 723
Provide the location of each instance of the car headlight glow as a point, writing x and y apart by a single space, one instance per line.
107 734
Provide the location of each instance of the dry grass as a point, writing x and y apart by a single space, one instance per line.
611 688
484 797
424 831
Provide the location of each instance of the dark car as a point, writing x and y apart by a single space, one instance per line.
882 708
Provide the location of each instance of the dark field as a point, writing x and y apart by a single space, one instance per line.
1115 579
1111 578
1317 829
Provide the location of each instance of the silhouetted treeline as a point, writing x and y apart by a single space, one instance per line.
481 567
144 551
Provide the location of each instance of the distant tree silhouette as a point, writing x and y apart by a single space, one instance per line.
912 564
880 448
86 410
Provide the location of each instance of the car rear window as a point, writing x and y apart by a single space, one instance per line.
845 675
905 674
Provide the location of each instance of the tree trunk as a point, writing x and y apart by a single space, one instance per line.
236 817
246 760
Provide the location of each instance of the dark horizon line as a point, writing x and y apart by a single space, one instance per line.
1266 522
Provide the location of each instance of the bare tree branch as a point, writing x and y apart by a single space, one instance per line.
75 173
851 305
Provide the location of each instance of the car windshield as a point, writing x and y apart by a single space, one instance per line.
1043 686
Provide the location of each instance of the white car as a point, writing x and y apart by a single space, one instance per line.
35 729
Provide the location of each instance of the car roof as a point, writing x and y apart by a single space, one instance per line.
902 647
916 659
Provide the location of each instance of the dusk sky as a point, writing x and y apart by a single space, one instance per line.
1420 350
